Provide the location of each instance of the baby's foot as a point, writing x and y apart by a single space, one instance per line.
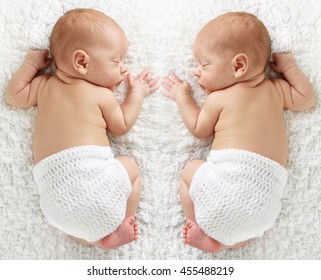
124 234
194 236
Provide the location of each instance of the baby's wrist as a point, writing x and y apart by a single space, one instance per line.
137 94
181 97
31 64
289 67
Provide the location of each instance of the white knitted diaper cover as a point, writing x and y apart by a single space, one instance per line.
83 191
237 194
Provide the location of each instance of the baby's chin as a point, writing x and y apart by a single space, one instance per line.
119 84
206 90
114 87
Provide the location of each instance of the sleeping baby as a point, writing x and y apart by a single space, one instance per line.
84 190
236 194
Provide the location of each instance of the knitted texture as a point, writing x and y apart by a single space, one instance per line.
83 191
237 194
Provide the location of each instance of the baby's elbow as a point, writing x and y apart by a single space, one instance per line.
308 103
11 100
8 99
17 102
312 101
119 130
202 134
310 97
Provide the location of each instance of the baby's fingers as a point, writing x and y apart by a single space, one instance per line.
153 85
166 85
143 74
174 78
168 81
154 88
153 82
130 79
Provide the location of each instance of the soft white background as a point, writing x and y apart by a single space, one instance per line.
160 35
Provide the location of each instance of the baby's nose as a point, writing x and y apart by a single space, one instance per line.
123 69
197 72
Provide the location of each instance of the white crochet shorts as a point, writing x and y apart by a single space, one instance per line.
83 191
237 194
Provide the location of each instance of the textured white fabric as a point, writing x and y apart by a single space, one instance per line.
83 191
237 194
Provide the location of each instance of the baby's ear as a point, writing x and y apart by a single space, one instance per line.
240 65
80 60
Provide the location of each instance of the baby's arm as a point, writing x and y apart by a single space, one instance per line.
200 122
297 90
120 119
23 87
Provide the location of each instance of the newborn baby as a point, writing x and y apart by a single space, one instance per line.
236 194
84 190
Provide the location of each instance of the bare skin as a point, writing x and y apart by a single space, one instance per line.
194 236
76 105
243 109
124 234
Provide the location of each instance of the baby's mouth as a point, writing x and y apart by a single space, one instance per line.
203 88
119 83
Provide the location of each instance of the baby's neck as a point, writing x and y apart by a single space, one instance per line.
66 77
253 81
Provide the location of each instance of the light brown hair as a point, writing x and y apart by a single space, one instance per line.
239 32
77 28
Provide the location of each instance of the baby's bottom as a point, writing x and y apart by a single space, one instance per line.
193 235
128 230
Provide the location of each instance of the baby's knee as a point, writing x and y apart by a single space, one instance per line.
190 169
131 167
129 163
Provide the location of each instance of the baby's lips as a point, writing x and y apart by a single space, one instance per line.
119 83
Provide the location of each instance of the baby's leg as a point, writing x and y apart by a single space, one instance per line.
125 233
186 179
128 230
196 237
193 235
135 179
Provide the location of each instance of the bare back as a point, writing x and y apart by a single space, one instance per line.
68 116
252 119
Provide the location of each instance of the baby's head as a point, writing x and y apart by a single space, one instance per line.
237 40
87 44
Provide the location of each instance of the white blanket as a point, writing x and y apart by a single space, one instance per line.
160 35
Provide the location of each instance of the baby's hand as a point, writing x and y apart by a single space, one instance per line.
282 62
38 59
175 87
144 84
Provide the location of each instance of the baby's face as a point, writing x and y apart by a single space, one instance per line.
214 68
107 60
